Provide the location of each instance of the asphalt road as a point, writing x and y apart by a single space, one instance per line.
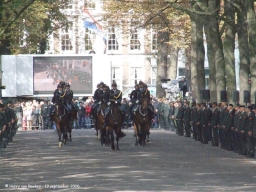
167 163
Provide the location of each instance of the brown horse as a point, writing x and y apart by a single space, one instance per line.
72 118
142 123
115 124
99 124
61 119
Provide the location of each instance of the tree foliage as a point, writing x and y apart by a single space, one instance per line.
25 24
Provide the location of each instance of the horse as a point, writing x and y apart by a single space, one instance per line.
99 124
115 124
142 123
61 118
73 116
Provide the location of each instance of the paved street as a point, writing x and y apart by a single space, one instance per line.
168 163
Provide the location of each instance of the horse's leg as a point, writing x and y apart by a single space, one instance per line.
148 132
59 133
140 135
136 134
70 137
107 136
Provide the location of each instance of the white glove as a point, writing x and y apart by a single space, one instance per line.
108 103
137 101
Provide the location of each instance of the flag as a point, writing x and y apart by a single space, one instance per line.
91 26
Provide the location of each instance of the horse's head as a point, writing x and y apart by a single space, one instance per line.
144 103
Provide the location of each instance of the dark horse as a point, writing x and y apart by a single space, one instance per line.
142 122
73 117
61 118
99 124
115 124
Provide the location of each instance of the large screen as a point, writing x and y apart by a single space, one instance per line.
49 71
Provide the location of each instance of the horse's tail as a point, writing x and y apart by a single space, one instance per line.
122 134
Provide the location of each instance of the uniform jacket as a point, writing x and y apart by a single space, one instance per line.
204 117
104 96
69 96
134 96
116 95
44 110
242 121
180 113
229 121
197 116
187 114
236 119
215 117
249 122
2 120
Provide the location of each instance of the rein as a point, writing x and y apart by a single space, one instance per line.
143 114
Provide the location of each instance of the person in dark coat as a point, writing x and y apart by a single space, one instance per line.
171 116
214 123
234 129
198 123
242 131
227 126
223 116
193 117
187 118
179 119
204 123
249 130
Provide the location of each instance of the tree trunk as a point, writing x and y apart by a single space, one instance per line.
218 50
229 47
194 79
243 50
163 39
200 52
211 58
252 42
172 67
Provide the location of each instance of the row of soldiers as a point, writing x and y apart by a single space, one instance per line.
231 127
8 123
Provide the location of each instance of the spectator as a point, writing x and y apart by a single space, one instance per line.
88 109
29 117
81 115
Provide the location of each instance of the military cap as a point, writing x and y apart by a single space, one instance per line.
114 84
59 86
141 83
67 85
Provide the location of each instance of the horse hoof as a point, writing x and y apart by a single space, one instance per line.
70 140
60 144
148 140
117 149
113 148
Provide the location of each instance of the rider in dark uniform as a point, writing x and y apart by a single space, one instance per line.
134 99
97 99
114 95
144 93
56 99
69 98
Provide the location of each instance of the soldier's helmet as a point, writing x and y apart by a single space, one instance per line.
137 85
105 86
114 84
67 85
101 83
141 83
62 83
59 86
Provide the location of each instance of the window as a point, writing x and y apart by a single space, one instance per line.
89 4
181 71
153 39
135 75
66 44
134 41
112 40
89 39
154 75
117 76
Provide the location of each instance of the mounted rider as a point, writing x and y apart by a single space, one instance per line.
97 99
69 105
144 93
57 98
134 98
114 95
